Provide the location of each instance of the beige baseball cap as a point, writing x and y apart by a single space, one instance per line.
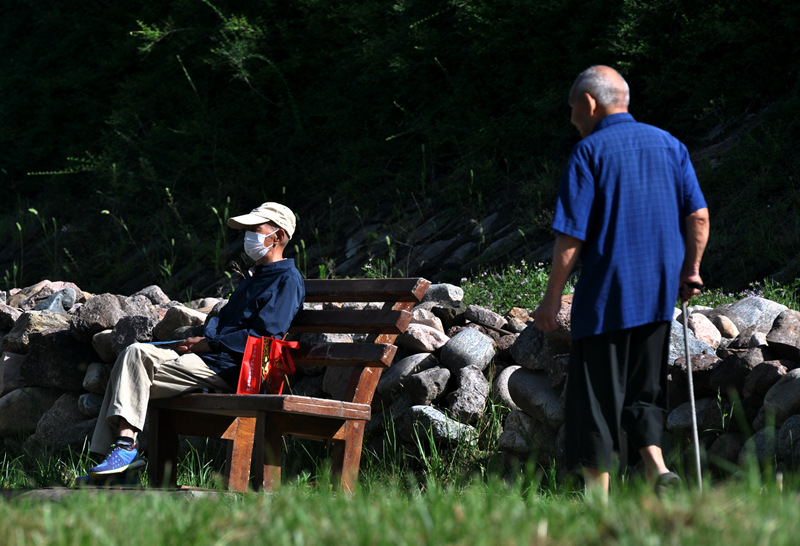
280 215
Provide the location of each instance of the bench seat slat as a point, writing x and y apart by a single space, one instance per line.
365 290
344 354
347 321
249 405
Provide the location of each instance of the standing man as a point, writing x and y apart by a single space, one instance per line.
630 207
264 304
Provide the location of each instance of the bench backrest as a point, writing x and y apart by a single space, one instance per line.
381 326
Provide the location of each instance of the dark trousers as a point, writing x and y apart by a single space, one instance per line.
617 380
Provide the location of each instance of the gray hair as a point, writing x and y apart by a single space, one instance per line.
605 91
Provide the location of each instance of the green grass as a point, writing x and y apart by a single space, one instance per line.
490 513
523 285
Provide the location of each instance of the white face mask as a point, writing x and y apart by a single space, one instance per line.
254 244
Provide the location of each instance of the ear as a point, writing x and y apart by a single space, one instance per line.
591 102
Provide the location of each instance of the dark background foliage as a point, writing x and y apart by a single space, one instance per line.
131 129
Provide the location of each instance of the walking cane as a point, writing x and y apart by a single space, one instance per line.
696 286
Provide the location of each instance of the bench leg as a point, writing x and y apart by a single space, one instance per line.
346 455
272 450
240 453
162 450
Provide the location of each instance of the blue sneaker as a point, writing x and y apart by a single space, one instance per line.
119 460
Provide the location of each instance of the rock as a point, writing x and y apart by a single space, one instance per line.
8 316
428 385
484 317
132 329
756 311
154 294
89 404
451 314
760 379
12 373
731 373
704 330
500 387
393 378
468 348
336 380
783 398
60 302
517 436
101 342
96 378
468 401
99 313
56 360
421 338
703 366
784 337
30 322
426 317
16 298
711 417
760 446
422 422
534 351
444 293
20 410
561 337
56 430
533 394
788 441
504 345
676 344
517 319
725 326
723 453
177 317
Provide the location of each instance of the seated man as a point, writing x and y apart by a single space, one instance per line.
264 304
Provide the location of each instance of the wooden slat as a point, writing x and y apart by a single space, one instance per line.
344 354
364 290
249 405
348 321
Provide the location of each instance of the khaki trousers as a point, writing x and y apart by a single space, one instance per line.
143 372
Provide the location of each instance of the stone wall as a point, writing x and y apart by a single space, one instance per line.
454 361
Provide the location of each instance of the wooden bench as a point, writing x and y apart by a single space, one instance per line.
257 424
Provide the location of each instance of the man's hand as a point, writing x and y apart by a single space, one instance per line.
544 318
690 286
197 345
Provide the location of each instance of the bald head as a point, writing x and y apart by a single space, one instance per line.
605 85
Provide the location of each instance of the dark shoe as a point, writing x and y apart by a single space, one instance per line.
666 483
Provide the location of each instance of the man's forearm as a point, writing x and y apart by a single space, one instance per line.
565 256
697 231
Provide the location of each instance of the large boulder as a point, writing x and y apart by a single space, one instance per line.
56 360
784 337
532 392
20 410
394 378
783 399
468 348
468 401
62 426
31 322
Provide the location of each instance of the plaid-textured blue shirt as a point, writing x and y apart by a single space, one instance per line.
626 192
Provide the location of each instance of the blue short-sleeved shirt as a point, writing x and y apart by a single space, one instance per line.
625 193
262 305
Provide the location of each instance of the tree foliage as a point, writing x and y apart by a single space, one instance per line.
161 112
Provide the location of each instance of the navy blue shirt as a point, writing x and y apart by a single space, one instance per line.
625 193
262 305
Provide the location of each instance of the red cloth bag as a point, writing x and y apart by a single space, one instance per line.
265 364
